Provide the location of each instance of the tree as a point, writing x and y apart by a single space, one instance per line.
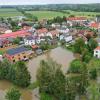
92 44
93 92
4 69
94 68
86 56
16 40
93 73
22 76
79 76
79 45
51 79
75 66
13 94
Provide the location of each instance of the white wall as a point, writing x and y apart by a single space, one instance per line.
97 53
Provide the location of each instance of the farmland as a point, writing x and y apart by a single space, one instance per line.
10 12
51 14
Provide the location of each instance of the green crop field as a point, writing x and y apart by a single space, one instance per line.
51 14
46 14
4 12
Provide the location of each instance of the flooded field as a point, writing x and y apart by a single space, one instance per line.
60 55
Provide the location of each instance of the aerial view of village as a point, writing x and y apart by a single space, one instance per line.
49 50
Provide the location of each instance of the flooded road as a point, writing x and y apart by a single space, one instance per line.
60 55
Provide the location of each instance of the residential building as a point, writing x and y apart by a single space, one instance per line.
53 33
21 33
63 30
67 38
55 25
42 32
76 19
94 25
5 43
18 54
97 52
30 40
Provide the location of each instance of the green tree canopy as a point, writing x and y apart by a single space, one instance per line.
13 94
79 45
51 79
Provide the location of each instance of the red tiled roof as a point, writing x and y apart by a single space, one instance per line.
21 33
95 25
54 32
98 48
76 18
34 46
43 30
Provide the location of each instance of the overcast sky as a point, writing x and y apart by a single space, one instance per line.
21 2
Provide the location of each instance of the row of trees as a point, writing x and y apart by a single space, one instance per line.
28 15
16 73
57 19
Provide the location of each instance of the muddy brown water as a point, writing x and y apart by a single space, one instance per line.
60 55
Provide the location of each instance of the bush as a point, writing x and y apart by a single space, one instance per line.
93 73
13 94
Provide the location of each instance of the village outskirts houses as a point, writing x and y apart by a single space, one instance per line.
74 20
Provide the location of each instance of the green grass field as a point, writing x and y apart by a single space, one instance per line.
46 14
11 12
4 12
51 14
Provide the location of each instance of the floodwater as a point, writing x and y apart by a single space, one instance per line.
60 55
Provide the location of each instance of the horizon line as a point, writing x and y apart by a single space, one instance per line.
45 4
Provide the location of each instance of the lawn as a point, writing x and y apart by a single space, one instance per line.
51 14
11 12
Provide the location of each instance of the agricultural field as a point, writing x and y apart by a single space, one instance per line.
46 14
51 14
11 12
87 14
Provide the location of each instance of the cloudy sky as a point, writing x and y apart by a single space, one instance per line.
20 2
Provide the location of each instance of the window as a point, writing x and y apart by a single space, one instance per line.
24 56
13 60
96 51
96 56
19 58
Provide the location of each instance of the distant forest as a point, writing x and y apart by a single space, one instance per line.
74 7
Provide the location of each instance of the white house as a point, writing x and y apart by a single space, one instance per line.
67 38
63 30
97 52
55 25
29 41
